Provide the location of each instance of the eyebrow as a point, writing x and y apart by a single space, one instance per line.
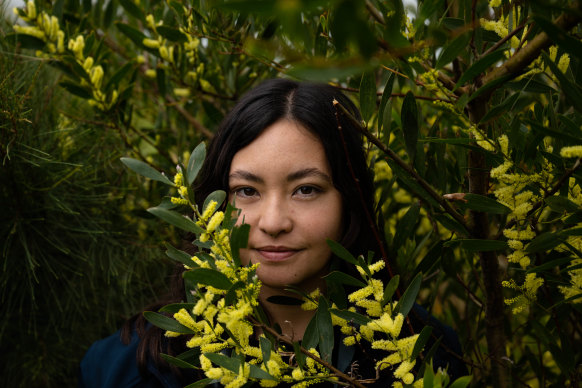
296 175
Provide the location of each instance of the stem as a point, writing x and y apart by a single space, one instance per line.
286 340
392 155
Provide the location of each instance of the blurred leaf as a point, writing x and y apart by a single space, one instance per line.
351 316
572 90
178 255
341 252
239 240
133 9
485 204
26 41
176 219
453 49
422 339
544 242
218 196
145 170
177 362
474 245
343 278
135 35
409 117
166 323
209 277
325 330
405 227
461 382
232 364
480 66
172 34
571 45
368 95
561 204
409 297
390 288
195 162
550 265
201 383
385 111
75 89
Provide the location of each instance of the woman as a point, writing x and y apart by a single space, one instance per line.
296 168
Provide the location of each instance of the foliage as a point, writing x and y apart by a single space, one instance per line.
472 110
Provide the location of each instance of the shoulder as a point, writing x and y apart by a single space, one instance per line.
449 353
111 363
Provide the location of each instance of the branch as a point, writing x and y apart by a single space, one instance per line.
516 64
191 119
374 12
392 155
286 340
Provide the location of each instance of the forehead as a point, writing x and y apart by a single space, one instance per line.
284 145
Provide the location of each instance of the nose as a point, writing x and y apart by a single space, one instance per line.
275 216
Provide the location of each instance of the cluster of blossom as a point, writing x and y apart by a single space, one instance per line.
47 29
222 328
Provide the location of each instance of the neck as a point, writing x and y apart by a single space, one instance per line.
293 320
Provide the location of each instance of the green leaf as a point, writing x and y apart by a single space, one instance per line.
311 335
284 300
422 339
231 296
325 330
26 41
351 316
258 373
409 118
405 227
409 297
451 224
135 35
561 204
75 89
550 265
299 355
176 219
166 323
209 277
239 239
571 89
390 289
173 308
461 382
341 252
178 255
133 9
219 196
453 49
232 364
195 162
485 204
172 34
343 278
544 242
480 66
201 383
385 111
367 95
266 347
146 170
476 245
560 37
119 76
177 362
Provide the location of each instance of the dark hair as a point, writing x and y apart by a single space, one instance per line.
311 105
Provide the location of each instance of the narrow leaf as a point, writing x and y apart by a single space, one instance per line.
172 34
209 277
422 339
384 119
344 278
258 373
480 66
239 240
367 95
166 323
409 118
232 364
409 297
390 289
325 330
132 9
461 382
195 162
341 252
201 383
176 219
311 335
177 362
146 170
219 196
453 49
178 255
475 245
351 316
485 204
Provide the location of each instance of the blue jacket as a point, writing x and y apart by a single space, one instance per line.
109 363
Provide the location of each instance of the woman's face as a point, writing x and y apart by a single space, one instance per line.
282 184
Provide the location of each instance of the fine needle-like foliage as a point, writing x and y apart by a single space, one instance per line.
472 112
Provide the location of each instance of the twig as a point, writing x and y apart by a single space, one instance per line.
286 340
377 15
191 119
392 155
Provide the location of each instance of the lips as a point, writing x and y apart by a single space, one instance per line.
276 253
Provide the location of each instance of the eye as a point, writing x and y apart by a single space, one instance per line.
245 192
307 191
